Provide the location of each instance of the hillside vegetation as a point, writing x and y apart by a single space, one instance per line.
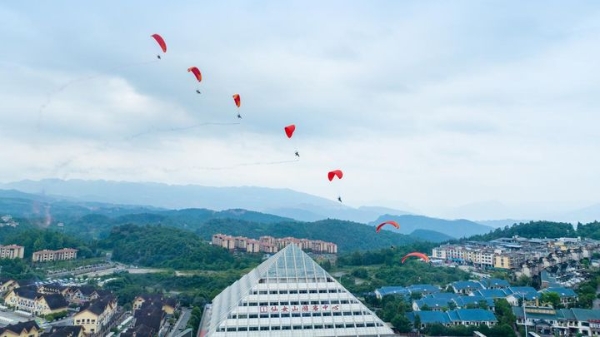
532 229
164 247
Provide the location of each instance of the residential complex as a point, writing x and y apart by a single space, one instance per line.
523 256
11 252
269 244
54 255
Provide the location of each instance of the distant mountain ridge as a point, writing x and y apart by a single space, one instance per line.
281 202
452 228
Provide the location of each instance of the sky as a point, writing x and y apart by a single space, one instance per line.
434 106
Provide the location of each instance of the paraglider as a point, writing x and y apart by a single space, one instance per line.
289 132
416 254
335 173
197 74
161 43
389 222
238 102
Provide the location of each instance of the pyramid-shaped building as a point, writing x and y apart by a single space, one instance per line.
289 295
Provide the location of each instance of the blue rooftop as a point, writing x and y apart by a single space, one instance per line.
463 301
529 292
491 293
429 317
476 315
423 288
561 291
466 285
433 302
394 290
494 283
459 315
447 296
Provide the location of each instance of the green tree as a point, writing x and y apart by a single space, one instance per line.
401 323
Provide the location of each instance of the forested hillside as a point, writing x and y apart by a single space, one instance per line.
532 229
166 247
34 239
349 236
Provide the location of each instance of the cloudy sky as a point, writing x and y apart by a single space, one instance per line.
427 105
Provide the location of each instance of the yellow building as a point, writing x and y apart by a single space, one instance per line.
21 329
508 261
54 255
12 252
35 303
96 315
7 284
167 304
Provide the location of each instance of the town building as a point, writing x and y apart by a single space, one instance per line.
95 316
64 331
54 255
21 329
563 322
271 245
289 294
465 317
29 300
12 252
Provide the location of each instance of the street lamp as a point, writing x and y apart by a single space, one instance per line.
525 313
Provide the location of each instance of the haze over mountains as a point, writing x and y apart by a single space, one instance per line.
281 202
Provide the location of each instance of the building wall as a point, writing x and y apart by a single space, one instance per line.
88 320
12 252
54 255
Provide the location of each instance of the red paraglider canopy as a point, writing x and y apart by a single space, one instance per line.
416 254
236 99
161 42
289 130
389 222
196 73
335 173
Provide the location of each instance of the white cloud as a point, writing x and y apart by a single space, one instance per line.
430 104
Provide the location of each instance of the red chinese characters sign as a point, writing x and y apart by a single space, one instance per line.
298 308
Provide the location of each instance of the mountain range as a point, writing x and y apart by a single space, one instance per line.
284 203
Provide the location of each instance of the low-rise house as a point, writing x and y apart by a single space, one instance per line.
494 283
168 304
466 287
54 288
95 316
562 321
432 304
139 331
454 317
84 294
467 302
29 300
7 284
396 291
64 331
491 293
567 296
527 294
21 329
423 289
48 304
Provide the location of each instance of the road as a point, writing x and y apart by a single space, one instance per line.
181 322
